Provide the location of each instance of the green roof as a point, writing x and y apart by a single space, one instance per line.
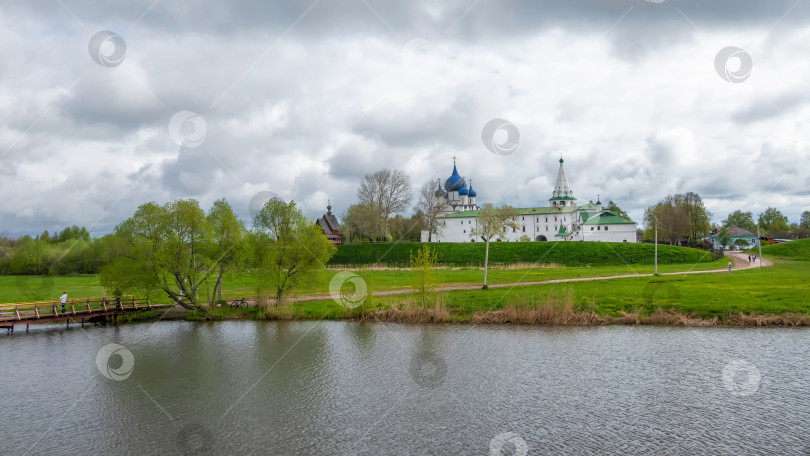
562 232
467 213
518 211
561 198
545 210
608 218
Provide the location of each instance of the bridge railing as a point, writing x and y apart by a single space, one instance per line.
72 308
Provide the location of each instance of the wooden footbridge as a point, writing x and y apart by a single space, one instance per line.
78 311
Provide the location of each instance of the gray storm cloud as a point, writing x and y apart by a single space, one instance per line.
303 98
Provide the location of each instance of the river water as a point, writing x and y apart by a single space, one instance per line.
350 388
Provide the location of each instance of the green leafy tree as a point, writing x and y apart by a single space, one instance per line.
773 220
358 222
493 222
804 221
611 206
228 241
31 258
423 266
170 248
741 219
742 243
294 248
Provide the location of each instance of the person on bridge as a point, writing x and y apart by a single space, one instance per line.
63 299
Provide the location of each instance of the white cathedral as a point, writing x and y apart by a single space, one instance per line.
562 220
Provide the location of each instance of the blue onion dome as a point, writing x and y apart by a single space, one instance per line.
454 182
463 190
439 191
471 194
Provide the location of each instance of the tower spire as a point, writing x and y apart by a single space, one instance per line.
561 189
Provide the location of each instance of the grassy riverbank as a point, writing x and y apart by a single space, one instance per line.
779 294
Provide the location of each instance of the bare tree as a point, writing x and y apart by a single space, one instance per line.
493 222
388 192
430 205
673 221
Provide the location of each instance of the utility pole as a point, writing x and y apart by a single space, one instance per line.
656 245
759 242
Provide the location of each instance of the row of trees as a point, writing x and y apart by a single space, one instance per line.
684 216
772 223
67 251
178 250
381 199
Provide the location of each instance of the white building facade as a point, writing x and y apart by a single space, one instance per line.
562 220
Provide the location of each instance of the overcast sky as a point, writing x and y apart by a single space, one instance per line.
641 98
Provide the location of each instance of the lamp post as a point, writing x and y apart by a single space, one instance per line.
759 243
656 244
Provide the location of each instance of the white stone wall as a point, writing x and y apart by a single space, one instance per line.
609 233
459 229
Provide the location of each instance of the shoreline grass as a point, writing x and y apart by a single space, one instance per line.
773 296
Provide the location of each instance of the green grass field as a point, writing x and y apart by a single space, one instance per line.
36 288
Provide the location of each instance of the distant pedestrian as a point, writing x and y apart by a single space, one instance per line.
749 259
729 266
755 258
63 300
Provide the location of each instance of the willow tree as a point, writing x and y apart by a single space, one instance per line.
171 248
292 248
493 222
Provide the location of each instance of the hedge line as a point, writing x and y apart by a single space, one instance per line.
561 253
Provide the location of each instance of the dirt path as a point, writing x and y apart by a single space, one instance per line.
739 260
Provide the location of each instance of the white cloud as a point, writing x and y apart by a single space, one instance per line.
306 114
